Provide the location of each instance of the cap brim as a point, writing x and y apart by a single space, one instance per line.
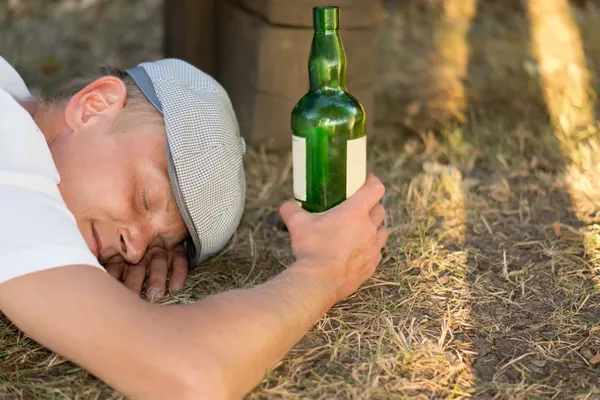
192 244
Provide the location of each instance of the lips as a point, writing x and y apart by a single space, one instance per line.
98 244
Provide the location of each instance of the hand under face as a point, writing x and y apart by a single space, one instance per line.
154 266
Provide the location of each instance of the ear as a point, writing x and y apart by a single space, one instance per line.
100 101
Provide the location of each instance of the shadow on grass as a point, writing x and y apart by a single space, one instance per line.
533 299
480 293
496 232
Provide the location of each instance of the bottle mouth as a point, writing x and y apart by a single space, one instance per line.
326 18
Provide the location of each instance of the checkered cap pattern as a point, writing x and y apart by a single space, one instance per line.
204 152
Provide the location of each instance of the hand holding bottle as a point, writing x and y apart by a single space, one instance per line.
339 249
329 142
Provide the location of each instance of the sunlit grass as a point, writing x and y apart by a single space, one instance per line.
558 48
565 77
450 56
451 53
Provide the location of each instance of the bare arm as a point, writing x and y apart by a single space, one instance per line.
148 351
218 348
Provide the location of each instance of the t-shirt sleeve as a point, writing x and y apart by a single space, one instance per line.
37 230
11 81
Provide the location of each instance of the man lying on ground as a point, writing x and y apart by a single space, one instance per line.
137 170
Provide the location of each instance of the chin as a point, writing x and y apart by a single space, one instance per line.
88 235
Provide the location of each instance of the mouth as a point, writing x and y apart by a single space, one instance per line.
97 243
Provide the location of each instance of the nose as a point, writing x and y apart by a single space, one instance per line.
133 244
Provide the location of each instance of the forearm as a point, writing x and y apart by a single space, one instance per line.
249 331
217 348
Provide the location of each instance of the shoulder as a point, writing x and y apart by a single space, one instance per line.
37 231
23 147
11 81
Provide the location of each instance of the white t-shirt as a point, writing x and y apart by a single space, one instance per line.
37 231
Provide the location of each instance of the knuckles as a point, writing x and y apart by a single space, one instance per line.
371 233
158 253
379 187
376 184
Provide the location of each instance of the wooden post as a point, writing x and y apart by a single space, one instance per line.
190 32
263 60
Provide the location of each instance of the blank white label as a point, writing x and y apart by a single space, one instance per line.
356 165
299 167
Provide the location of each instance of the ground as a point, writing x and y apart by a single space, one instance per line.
488 144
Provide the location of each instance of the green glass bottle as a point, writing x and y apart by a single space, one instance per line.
329 144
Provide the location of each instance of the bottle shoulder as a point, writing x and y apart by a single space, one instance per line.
319 103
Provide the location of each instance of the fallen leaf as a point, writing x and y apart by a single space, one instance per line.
50 65
557 229
595 360
573 238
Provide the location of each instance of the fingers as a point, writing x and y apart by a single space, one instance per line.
368 195
382 237
288 210
157 280
179 270
116 270
136 275
375 260
155 267
377 215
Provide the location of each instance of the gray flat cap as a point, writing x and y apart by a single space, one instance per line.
204 151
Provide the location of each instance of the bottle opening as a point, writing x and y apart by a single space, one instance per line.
326 18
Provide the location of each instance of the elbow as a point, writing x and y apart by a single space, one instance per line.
199 393
199 387
195 380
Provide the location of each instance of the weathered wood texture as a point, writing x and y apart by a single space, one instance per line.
190 32
298 13
263 50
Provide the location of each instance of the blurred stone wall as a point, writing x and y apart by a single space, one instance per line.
49 41
436 57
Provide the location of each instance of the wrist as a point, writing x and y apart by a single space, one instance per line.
317 279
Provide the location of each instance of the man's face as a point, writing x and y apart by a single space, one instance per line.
116 181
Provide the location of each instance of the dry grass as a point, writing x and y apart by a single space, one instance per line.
489 286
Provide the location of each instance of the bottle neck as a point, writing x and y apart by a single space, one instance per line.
327 63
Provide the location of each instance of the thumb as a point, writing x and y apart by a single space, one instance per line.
288 210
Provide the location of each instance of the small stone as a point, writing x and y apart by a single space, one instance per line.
539 363
443 279
451 358
587 353
533 164
513 373
536 369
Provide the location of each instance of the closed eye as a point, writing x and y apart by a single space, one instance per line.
145 200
